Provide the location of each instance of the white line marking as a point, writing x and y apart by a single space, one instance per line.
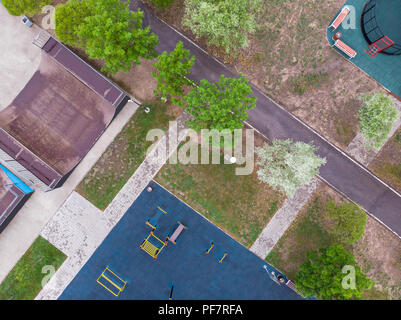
304 124
282 108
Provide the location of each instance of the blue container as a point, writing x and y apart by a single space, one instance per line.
25 20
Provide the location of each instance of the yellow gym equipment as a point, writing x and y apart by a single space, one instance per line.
152 245
222 258
152 222
111 282
210 249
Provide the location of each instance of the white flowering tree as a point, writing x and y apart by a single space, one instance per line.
286 165
224 23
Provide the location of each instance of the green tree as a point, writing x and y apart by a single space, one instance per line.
286 166
69 18
107 31
349 221
225 23
27 7
377 116
162 4
322 275
171 72
221 105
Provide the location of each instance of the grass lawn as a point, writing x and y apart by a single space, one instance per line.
378 252
24 281
240 205
387 165
124 155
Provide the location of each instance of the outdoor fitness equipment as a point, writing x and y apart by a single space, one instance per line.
111 282
210 249
176 233
379 45
223 257
152 222
152 245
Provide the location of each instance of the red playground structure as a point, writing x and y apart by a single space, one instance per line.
379 45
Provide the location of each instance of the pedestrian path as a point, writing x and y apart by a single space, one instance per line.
341 171
283 218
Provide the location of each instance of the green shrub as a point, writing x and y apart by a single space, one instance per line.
377 116
27 7
349 221
224 23
323 276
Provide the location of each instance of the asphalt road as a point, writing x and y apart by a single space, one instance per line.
341 172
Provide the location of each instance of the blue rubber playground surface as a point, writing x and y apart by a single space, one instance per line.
120 269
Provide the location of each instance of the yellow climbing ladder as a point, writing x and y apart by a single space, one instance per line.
150 248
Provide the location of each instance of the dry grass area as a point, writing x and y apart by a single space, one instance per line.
290 59
238 204
387 164
378 252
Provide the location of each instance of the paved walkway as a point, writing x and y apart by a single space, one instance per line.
283 218
19 59
78 227
341 172
33 216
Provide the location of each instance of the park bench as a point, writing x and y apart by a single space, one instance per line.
345 48
340 18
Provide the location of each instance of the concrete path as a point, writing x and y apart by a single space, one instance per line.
341 172
282 219
78 227
33 216
19 59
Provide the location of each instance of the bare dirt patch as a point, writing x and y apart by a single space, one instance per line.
139 80
379 253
